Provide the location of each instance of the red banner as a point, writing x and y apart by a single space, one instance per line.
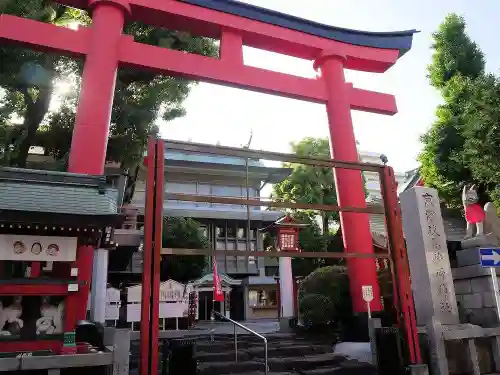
218 294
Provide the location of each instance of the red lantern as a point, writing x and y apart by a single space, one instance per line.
287 233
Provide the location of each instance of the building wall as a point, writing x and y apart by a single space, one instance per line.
232 235
225 225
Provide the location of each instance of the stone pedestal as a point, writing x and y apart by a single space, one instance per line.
474 289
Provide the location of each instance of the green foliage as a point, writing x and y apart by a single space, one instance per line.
310 240
460 146
311 185
182 233
324 297
454 53
29 79
308 184
317 309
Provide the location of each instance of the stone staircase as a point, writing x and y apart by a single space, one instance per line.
288 354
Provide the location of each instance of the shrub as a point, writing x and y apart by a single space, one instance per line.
324 297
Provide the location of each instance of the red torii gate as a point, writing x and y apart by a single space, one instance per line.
105 48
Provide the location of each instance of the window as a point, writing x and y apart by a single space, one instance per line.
180 188
204 231
220 231
203 189
231 230
242 231
262 298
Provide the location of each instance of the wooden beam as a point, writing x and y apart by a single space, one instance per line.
269 203
269 155
272 254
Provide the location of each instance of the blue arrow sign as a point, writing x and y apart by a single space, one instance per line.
490 256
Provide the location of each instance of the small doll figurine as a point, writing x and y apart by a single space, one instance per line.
11 317
51 318
474 213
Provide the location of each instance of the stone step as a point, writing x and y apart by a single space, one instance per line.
216 346
290 350
273 337
218 368
221 357
214 354
310 362
346 368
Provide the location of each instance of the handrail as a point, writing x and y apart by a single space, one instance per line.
245 328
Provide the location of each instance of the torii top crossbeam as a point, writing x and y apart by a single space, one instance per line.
257 27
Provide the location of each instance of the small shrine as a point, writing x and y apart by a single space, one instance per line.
286 233
50 224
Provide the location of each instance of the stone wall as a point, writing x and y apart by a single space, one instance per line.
474 290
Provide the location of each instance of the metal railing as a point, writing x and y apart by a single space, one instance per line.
236 324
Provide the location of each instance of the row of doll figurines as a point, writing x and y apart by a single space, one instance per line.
49 322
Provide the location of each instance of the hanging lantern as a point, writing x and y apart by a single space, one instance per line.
286 230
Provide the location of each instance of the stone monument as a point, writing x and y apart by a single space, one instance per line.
433 291
432 281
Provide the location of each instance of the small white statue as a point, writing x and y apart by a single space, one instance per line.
50 321
474 213
10 316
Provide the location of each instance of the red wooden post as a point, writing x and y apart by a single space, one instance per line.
278 296
147 260
76 302
355 226
157 236
400 266
90 134
35 270
296 296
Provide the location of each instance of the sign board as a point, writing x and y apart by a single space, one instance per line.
172 291
134 293
490 257
174 301
288 239
367 291
37 248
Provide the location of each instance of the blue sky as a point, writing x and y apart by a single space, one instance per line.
223 115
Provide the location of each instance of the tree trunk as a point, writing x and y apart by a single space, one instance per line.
35 113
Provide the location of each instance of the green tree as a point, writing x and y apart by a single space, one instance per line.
29 79
455 54
309 184
310 240
182 233
457 67
482 136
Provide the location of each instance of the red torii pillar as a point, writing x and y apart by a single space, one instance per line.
356 231
93 115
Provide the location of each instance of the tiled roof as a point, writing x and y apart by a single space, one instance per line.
55 192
